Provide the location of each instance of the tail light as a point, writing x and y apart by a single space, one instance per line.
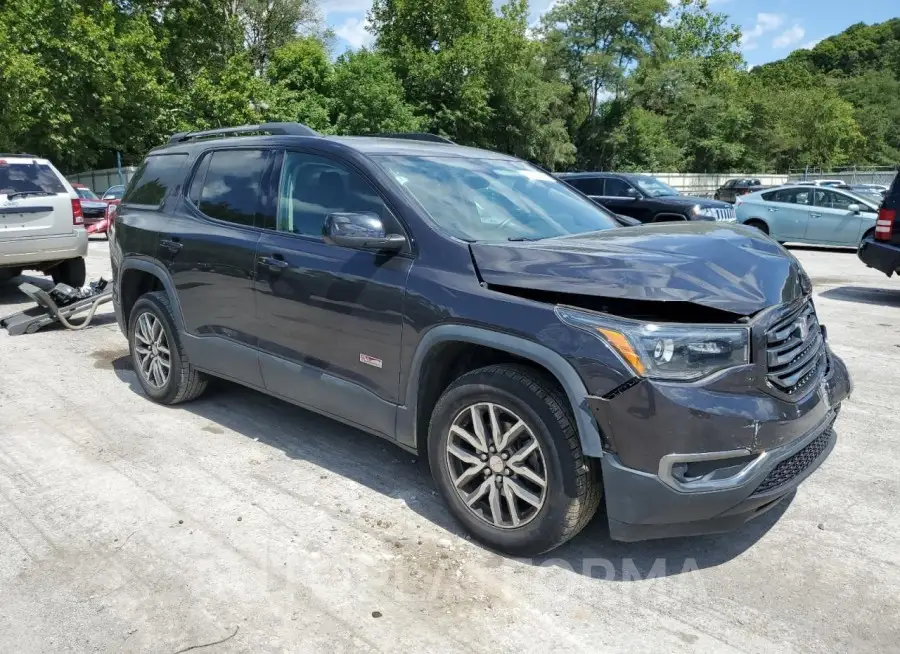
884 226
110 212
77 213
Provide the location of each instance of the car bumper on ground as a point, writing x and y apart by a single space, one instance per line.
881 256
25 252
643 505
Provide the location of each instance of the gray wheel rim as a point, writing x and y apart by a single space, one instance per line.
496 465
151 347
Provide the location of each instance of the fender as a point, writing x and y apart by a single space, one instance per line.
158 271
555 364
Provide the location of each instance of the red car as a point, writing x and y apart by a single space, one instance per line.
98 213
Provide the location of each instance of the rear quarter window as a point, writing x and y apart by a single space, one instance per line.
29 178
153 179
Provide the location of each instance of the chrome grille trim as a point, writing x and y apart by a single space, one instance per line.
795 351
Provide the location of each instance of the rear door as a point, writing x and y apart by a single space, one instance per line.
209 248
832 222
35 200
787 211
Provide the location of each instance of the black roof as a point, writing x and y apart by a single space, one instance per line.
281 134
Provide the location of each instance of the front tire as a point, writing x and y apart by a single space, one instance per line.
160 362
506 457
71 272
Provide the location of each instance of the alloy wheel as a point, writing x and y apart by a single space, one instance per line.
152 350
496 465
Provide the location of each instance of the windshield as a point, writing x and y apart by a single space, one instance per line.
86 194
114 193
653 187
495 199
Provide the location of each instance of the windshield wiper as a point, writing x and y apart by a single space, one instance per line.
24 193
519 239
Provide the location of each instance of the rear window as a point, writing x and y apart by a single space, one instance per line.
153 179
28 178
230 188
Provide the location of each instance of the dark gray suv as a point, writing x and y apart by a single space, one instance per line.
464 304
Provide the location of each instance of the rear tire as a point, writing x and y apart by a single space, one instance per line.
71 272
159 359
553 490
758 224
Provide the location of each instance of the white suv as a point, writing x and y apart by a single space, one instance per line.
41 222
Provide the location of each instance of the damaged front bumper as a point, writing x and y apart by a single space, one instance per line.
717 460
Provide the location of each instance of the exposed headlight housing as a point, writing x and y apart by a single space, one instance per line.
670 351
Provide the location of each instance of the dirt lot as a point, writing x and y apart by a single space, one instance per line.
126 526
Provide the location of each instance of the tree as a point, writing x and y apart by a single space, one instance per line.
367 96
300 75
269 24
596 42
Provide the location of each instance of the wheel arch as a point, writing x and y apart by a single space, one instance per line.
409 420
139 276
750 222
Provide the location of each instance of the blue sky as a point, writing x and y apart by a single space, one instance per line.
772 28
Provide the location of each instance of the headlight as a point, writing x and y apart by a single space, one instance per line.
666 350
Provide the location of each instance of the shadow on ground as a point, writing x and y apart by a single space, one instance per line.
387 469
10 293
865 295
835 249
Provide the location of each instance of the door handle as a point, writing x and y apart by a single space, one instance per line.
772 210
172 245
274 262
815 215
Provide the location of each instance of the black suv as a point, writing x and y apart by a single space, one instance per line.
646 198
733 188
882 250
464 304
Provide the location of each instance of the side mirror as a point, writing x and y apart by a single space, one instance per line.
854 208
363 230
632 194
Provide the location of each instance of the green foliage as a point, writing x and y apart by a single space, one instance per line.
367 98
598 84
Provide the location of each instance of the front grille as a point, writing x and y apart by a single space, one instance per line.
795 351
795 465
725 215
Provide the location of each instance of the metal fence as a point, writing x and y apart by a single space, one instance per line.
100 180
883 175
705 185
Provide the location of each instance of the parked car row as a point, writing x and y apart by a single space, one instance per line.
468 306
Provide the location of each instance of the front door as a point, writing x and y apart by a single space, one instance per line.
209 245
621 197
331 316
831 220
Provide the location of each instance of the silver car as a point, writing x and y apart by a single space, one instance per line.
809 214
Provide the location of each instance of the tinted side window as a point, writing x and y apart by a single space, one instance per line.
617 188
154 179
232 185
730 183
832 200
789 196
587 185
312 187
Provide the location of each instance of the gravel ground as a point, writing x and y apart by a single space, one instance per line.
126 526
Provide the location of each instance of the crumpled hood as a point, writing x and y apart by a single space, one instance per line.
730 268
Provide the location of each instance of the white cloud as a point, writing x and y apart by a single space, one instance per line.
764 23
345 6
789 37
353 31
809 45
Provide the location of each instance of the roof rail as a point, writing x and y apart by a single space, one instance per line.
280 129
19 154
416 136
